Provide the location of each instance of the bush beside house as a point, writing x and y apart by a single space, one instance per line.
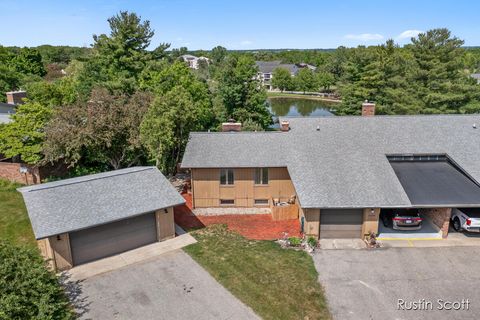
27 289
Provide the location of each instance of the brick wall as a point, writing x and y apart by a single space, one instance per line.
11 171
440 217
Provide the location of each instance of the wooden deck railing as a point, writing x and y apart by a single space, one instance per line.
286 212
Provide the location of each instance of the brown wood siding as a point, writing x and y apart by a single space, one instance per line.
47 252
208 192
57 248
370 220
165 224
312 222
284 212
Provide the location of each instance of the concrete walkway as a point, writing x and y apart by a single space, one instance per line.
454 239
153 250
331 244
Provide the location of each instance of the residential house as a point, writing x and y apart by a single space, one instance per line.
193 61
14 98
266 68
338 173
82 219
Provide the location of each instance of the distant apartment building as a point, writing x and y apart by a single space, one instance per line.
266 68
193 61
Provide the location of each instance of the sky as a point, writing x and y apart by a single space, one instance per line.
241 24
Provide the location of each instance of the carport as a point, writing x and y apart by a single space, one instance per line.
434 185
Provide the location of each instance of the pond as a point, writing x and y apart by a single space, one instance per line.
298 107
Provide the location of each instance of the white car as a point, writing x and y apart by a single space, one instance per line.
467 219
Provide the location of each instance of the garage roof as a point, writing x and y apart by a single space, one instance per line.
341 162
83 202
434 183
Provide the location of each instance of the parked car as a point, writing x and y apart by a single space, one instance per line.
402 219
467 219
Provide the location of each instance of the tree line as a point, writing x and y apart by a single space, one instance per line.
121 103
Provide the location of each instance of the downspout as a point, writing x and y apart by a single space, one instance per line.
192 187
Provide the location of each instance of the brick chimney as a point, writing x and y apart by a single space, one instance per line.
368 109
231 126
16 97
284 126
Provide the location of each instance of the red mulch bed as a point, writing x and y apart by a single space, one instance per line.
251 226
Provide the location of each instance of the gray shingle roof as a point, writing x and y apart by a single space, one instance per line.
267 66
270 66
344 164
78 203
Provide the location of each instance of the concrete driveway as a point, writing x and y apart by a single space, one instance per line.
170 286
367 284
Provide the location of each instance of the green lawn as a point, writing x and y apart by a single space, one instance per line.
276 283
14 223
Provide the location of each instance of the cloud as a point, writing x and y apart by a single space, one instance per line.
364 36
407 34
246 43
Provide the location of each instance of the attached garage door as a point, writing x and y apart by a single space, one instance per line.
109 239
341 223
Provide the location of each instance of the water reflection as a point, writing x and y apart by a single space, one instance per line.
281 107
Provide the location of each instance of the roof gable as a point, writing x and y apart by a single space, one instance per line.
83 202
344 163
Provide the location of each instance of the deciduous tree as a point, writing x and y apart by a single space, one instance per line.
167 125
103 130
305 80
282 79
25 135
242 94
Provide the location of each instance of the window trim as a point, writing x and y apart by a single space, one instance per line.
227 184
227 204
261 177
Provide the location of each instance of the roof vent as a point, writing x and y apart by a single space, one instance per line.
474 126
318 128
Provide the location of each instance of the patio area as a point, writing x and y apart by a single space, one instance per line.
251 226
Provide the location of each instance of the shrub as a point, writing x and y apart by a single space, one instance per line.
27 289
294 241
6 185
312 241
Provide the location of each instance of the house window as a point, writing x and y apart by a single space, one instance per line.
261 176
226 177
261 202
226 202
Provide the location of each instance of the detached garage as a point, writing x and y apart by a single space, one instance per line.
79 220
